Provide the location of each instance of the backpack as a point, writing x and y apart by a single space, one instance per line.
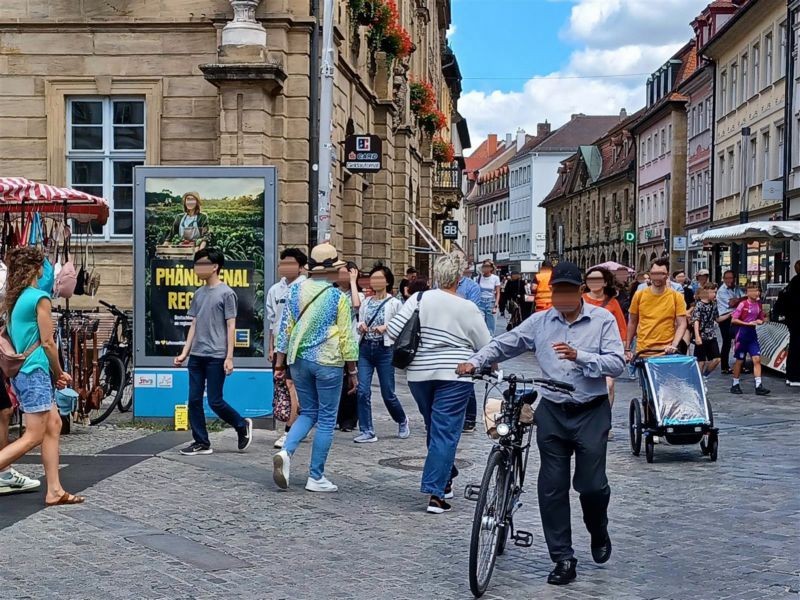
407 343
11 361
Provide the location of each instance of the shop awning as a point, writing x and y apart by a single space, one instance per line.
18 194
755 231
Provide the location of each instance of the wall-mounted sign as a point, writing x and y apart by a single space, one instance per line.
450 230
630 237
363 153
679 243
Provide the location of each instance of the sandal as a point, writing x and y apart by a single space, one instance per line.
67 498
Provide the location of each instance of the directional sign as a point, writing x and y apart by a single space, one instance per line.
363 153
630 237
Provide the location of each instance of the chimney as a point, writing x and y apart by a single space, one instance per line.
623 114
509 137
491 144
543 129
576 115
520 138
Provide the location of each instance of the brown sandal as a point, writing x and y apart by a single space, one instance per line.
67 498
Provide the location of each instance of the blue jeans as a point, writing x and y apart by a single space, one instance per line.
487 306
375 356
206 371
319 389
442 405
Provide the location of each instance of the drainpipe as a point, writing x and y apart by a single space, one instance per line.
313 127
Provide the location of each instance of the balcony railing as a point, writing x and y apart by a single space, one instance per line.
447 176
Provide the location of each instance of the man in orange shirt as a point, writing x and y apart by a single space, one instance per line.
657 316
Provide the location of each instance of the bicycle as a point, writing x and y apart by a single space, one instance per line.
498 495
119 348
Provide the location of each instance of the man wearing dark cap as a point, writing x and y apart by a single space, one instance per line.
580 344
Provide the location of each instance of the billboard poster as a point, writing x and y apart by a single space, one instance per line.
182 210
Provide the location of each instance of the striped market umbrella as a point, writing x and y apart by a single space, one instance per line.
18 194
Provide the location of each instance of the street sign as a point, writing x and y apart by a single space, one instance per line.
363 153
450 230
679 243
630 237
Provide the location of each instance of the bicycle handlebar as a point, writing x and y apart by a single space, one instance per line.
489 375
113 309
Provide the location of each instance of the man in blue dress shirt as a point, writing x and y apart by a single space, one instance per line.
579 344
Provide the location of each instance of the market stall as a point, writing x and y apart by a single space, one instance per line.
772 336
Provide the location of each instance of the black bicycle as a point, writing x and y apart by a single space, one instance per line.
117 365
510 425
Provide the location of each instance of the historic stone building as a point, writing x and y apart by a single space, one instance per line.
698 89
791 167
592 203
661 168
190 84
750 52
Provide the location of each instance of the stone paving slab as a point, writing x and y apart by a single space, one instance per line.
682 527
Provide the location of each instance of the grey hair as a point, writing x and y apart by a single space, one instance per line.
448 269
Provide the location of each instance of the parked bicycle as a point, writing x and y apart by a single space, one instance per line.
509 423
119 349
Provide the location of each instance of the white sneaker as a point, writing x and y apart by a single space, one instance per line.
320 485
281 463
280 441
15 482
366 438
793 383
403 430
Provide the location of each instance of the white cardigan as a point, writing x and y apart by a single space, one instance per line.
391 309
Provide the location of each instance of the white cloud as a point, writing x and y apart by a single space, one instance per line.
617 37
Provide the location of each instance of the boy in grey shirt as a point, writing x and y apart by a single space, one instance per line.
209 348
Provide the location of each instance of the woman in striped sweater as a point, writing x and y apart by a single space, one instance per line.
452 328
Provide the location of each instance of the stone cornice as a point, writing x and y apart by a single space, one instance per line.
270 73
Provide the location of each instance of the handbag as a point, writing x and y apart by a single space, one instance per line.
407 343
93 277
80 278
67 277
281 401
372 320
11 361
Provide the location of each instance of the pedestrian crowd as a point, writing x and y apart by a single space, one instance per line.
328 341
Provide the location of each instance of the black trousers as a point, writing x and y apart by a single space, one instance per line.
560 434
793 359
728 332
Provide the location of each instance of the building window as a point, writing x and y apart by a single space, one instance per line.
731 172
662 213
692 194
650 147
669 137
745 72
664 141
782 36
780 134
756 67
690 123
709 113
734 86
105 141
767 59
643 153
723 180
723 94
753 159
767 165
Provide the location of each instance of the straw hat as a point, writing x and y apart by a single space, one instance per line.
324 257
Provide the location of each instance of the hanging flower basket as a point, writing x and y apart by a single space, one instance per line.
443 152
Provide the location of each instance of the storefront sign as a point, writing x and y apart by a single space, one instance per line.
450 230
363 153
629 237
679 243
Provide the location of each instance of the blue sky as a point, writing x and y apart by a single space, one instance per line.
524 61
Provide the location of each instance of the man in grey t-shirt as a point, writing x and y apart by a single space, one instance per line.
209 348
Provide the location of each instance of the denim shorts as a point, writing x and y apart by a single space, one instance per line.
34 391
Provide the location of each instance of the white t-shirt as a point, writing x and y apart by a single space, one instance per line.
488 285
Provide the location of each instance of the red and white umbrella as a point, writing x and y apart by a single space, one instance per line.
18 194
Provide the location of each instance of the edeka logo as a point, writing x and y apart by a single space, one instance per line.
171 286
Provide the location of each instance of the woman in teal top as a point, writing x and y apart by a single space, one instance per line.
30 323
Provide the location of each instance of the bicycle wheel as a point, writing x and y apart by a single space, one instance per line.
111 380
509 489
125 393
486 523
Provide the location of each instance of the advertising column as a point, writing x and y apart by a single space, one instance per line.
179 211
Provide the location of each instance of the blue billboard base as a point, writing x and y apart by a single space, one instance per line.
158 390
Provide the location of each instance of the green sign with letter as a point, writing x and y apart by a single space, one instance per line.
630 237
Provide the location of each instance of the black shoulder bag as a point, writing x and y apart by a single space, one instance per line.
407 343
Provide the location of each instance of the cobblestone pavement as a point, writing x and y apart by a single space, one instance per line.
173 527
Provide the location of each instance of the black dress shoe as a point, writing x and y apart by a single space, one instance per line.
602 551
563 573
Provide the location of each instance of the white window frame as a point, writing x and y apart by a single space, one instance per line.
723 95
766 140
783 40
108 155
769 47
756 65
